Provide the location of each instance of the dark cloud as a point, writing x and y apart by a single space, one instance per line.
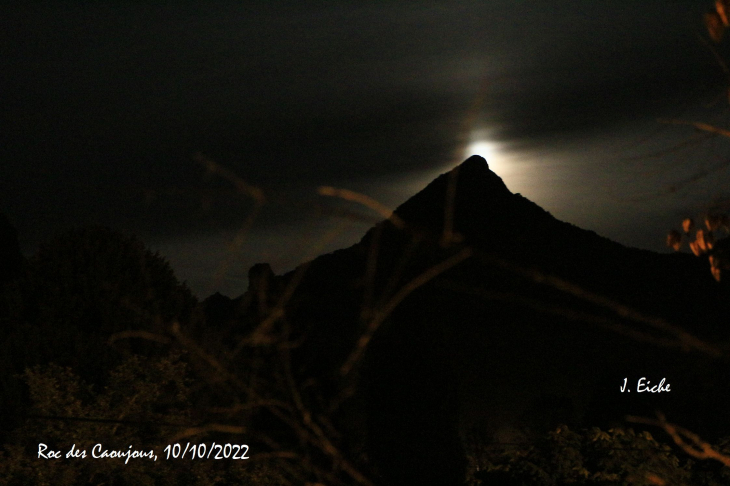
107 103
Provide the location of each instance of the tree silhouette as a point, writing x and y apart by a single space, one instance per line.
79 289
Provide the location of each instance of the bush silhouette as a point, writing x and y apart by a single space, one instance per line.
79 289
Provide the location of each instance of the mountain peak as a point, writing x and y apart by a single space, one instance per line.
475 162
471 190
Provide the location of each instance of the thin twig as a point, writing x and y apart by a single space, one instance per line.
205 429
382 314
368 201
705 127
150 336
696 447
243 187
688 340
563 311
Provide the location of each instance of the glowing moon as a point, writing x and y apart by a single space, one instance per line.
496 153
483 148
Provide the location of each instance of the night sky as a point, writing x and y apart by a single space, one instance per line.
106 104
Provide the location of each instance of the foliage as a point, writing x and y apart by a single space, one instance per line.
590 457
706 244
82 287
98 280
716 20
149 400
79 289
86 325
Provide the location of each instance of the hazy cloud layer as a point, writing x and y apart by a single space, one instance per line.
107 105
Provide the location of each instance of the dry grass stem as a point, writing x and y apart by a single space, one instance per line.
696 447
368 201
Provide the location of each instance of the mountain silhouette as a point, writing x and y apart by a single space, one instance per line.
474 308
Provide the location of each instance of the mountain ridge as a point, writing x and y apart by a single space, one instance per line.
512 226
538 327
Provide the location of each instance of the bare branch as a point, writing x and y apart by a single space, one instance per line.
150 336
382 314
705 127
368 201
693 445
565 312
243 187
193 431
688 340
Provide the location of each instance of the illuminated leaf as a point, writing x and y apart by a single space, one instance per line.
695 248
713 221
714 261
715 27
701 241
688 225
721 9
674 240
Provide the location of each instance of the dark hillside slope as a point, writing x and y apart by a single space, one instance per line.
539 326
